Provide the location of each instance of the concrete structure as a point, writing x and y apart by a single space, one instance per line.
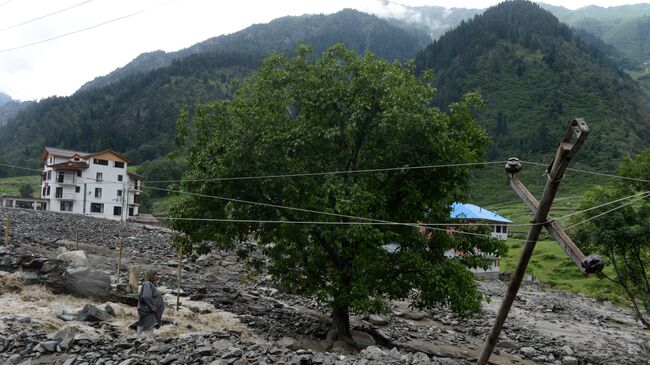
96 184
498 224
475 214
21 202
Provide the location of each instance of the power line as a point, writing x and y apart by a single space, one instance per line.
338 172
87 28
261 221
593 172
19 167
607 212
44 16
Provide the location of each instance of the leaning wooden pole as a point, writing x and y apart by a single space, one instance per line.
7 229
573 139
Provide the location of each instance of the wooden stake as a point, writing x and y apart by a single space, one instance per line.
7 229
119 262
134 278
76 240
180 269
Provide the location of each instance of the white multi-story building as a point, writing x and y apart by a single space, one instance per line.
96 184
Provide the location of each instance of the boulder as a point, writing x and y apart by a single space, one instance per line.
90 313
377 320
77 258
362 339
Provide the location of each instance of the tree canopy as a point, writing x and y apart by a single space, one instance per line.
340 112
622 235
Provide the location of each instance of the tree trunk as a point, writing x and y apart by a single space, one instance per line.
341 322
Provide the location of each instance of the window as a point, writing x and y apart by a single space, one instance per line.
505 229
66 206
498 229
61 177
135 184
100 177
79 173
119 165
136 199
120 178
98 192
49 175
96 208
119 193
44 190
117 210
51 159
48 191
59 193
99 161
44 176
77 189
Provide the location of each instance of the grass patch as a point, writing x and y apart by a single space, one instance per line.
553 267
11 185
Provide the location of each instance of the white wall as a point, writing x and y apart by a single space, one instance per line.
110 185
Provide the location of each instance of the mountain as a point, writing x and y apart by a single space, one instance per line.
137 114
9 108
625 27
535 76
357 30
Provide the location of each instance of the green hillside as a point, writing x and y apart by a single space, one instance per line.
137 114
536 76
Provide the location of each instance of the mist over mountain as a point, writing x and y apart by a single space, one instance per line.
536 75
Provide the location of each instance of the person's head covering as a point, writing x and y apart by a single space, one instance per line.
149 274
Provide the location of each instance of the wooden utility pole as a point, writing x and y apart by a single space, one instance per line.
7 229
571 143
76 240
119 262
178 287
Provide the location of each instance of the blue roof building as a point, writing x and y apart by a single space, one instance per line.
474 212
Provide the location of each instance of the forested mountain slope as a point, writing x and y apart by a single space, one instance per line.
137 114
535 76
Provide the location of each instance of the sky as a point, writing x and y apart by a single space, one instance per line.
120 30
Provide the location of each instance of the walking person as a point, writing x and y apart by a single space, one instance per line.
151 304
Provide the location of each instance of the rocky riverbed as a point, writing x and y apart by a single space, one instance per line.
228 315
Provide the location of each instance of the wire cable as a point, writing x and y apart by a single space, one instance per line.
261 221
339 172
593 172
606 212
19 167
87 28
45 16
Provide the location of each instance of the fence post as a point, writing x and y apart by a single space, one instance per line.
7 229
119 262
180 269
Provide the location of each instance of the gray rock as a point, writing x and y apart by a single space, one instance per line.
445 361
342 347
528 351
70 360
420 358
377 320
49 346
13 359
373 353
233 353
507 344
289 343
130 362
204 351
569 360
108 309
90 313
567 350
169 359
362 339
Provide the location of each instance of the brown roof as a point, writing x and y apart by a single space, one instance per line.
70 165
60 152
70 154
135 176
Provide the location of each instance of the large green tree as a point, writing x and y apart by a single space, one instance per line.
339 112
622 236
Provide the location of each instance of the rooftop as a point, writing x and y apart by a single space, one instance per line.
471 211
